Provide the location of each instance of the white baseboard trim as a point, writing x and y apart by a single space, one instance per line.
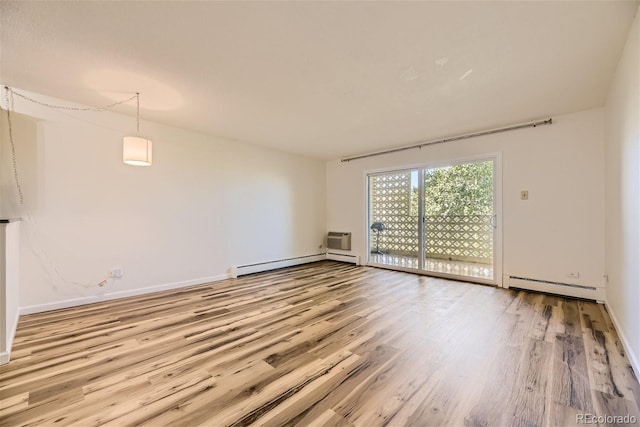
4 357
74 302
344 257
241 270
633 358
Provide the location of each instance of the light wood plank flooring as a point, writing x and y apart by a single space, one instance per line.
324 344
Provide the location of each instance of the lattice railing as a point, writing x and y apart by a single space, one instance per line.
400 236
456 238
459 237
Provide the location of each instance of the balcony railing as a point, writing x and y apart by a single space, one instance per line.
450 237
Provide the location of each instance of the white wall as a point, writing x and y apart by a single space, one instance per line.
205 204
558 230
622 163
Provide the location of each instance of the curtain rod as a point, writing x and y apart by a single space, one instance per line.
449 139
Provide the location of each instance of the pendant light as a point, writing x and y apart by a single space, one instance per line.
136 151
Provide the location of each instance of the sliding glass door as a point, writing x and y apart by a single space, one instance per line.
439 220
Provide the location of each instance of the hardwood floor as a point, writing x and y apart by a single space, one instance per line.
325 344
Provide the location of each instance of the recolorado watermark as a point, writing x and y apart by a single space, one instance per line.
605 419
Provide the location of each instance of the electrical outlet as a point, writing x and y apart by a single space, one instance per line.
573 275
524 195
116 272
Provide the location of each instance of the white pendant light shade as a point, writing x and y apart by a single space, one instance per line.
136 151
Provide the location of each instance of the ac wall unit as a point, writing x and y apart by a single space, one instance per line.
339 240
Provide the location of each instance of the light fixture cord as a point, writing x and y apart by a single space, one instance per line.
138 113
13 145
63 107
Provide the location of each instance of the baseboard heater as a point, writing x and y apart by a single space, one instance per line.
560 288
272 265
354 259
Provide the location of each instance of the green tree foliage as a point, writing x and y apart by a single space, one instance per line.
465 189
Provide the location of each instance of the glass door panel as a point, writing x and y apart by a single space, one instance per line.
393 219
459 220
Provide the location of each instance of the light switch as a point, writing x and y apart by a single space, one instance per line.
524 195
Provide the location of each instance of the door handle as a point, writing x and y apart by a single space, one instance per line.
494 221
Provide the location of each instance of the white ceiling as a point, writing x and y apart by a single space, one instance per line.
324 79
